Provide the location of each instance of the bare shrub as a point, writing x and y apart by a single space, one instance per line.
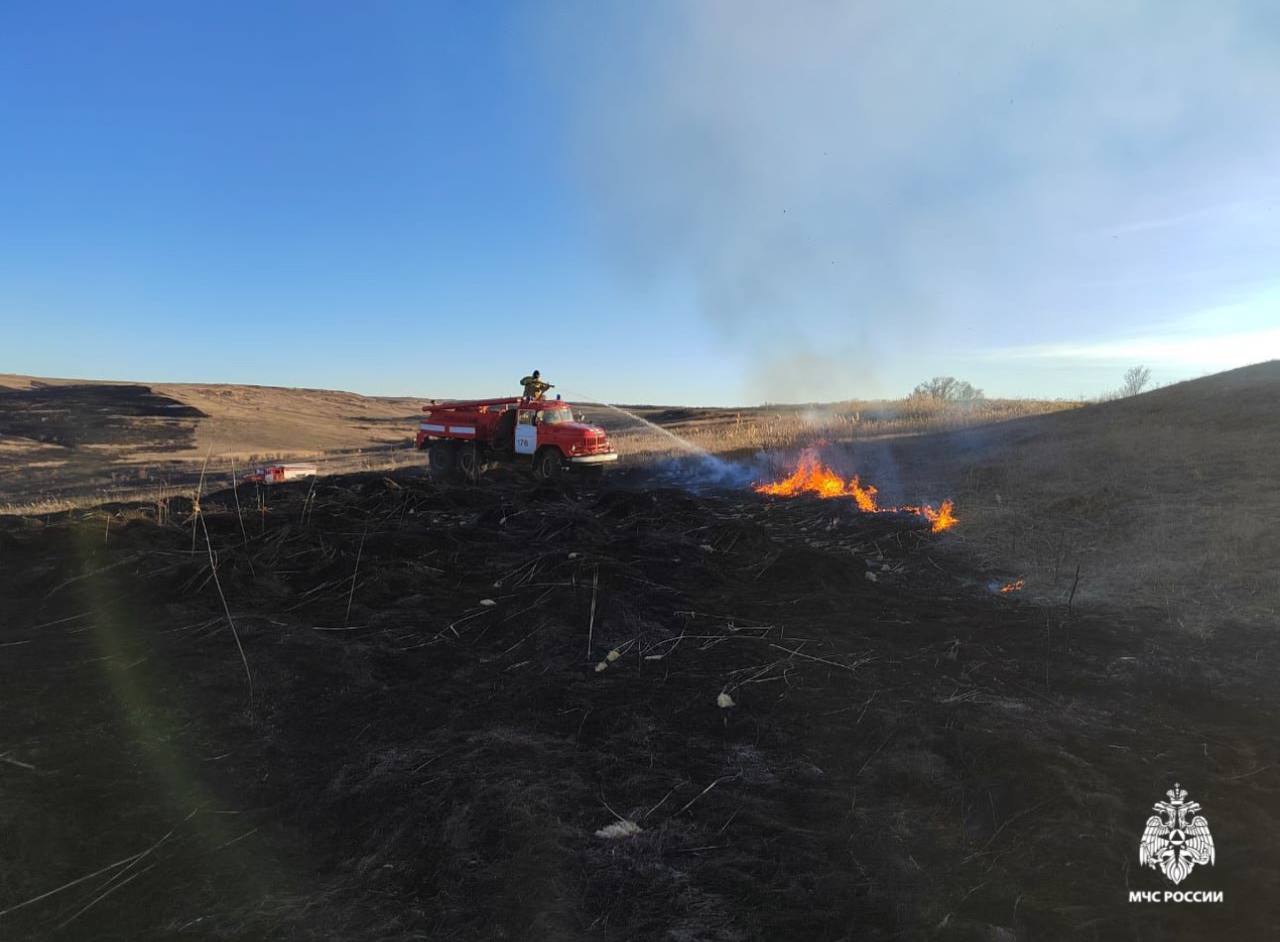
1136 379
947 389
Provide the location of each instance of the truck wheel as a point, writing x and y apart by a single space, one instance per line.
468 461
547 464
444 459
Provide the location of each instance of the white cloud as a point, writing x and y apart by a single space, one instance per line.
1211 352
879 177
1218 338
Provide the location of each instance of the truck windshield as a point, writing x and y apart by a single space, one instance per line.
556 415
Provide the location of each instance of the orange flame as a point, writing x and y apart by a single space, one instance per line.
943 518
811 476
1014 586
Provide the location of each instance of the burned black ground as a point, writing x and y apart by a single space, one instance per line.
63 441
430 747
93 414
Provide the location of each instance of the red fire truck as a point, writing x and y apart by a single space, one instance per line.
279 473
461 437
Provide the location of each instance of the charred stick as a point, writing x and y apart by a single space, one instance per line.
103 896
235 490
354 573
661 803
723 778
213 564
591 624
862 768
820 660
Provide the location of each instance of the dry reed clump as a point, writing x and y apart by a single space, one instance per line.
783 427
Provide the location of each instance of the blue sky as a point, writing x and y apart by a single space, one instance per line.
722 202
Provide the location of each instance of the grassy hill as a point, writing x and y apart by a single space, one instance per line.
67 441
1169 499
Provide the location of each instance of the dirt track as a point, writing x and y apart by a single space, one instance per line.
913 756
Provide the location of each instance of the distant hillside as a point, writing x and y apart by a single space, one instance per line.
1170 499
63 439
76 440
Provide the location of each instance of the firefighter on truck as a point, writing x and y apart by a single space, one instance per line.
534 387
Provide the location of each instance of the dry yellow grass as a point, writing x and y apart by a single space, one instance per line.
127 455
247 421
722 431
262 420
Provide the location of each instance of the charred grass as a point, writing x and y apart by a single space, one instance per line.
1167 500
432 742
